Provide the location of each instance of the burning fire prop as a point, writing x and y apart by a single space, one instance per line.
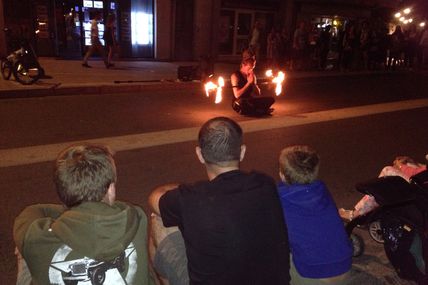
209 86
278 79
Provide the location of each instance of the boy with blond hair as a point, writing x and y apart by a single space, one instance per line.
321 252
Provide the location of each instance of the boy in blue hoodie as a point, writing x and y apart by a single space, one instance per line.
321 252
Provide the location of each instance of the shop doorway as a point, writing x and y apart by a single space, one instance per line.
73 24
235 27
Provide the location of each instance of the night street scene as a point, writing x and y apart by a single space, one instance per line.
214 142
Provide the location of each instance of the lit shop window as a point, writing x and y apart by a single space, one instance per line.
141 28
93 4
98 4
88 3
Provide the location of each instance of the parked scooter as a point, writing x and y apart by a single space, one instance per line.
21 62
400 222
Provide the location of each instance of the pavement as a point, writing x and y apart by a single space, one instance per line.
68 77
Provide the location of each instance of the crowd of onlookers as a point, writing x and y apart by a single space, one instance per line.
234 227
366 45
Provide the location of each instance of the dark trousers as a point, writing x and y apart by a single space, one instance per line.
260 105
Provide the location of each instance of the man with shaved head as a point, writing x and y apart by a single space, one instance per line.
231 224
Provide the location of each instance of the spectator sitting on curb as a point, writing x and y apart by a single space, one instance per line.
232 224
321 252
91 230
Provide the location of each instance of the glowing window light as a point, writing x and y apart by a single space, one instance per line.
397 15
422 24
410 20
141 28
98 4
402 19
88 3
406 11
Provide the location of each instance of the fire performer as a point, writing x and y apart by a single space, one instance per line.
247 97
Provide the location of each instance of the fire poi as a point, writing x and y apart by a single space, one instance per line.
277 80
210 86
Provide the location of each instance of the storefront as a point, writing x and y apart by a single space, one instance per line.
236 22
235 27
134 26
62 28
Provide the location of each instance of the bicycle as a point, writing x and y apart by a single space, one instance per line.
22 63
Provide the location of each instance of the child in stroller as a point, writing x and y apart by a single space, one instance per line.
402 166
401 211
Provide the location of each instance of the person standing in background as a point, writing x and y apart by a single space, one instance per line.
110 37
95 43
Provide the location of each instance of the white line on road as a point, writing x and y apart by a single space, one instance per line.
43 153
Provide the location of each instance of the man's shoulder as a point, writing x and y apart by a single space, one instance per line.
247 181
251 179
262 177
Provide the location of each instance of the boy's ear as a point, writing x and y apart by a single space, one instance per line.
199 155
110 196
282 176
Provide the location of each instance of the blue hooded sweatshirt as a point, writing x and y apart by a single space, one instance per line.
319 244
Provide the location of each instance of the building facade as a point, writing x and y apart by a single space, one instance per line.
179 30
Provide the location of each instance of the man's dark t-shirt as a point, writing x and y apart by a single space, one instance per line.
233 229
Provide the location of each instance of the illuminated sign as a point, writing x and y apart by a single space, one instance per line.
87 3
98 4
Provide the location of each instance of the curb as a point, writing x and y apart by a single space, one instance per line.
122 87
130 86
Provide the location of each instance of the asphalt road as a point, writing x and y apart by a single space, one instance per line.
36 121
352 148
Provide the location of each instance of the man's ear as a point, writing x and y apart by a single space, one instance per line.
199 155
243 149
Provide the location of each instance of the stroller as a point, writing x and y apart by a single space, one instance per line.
400 222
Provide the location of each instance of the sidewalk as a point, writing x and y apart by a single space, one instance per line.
69 77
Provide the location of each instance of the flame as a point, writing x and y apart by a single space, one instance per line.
278 80
209 86
218 96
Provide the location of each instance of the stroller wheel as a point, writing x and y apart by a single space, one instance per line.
375 231
357 245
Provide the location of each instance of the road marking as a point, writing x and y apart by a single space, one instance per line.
43 153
